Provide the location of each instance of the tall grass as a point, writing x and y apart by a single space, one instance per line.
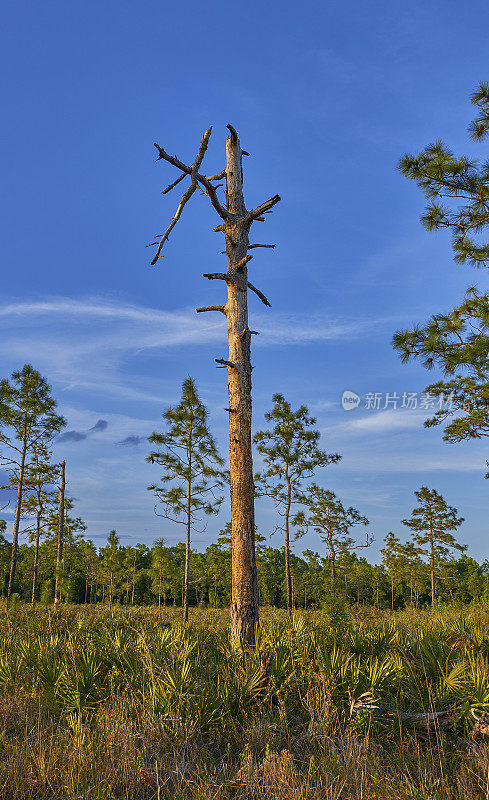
127 706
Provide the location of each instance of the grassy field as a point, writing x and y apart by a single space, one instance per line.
328 706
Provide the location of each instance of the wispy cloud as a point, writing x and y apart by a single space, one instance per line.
87 344
386 421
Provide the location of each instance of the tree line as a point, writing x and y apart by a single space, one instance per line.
131 575
59 563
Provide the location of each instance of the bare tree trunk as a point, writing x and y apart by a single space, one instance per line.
18 508
236 226
333 570
392 593
61 526
244 589
288 580
36 556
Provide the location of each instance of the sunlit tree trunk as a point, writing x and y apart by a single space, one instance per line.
244 589
18 508
236 224
36 555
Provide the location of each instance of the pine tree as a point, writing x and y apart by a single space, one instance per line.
431 523
457 342
70 530
439 173
157 571
40 480
192 469
393 561
291 453
111 564
328 517
27 418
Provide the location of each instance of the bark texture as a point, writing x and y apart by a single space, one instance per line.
244 586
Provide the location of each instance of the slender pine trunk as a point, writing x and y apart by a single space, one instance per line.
36 556
288 579
61 526
187 540
133 579
432 572
18 508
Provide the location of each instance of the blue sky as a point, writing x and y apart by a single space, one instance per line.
326 97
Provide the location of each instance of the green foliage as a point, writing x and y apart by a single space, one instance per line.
328 517
290 451
47 592
192 467
439 173
432 522
457 342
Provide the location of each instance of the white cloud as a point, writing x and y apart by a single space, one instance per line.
87 344
386 421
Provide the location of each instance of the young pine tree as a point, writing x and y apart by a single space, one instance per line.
431 523
393 560
70 531
328 517
192 472
40 485
291 453
27 417
111 566
157 570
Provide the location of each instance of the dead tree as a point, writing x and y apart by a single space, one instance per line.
235 225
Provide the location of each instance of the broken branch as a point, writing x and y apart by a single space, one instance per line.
188 194
222 309
255 213
242 264
206 182
259 294
175 183
217 276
